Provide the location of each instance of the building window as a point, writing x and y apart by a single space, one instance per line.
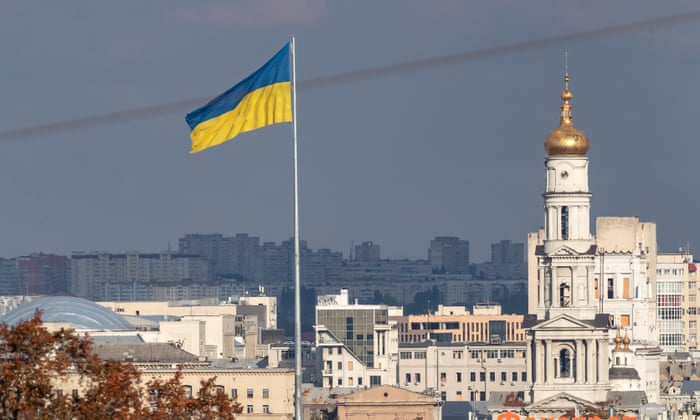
523 376
443 396
564 363
349 328
565 222
417 376
459 396
472 376
266 409
266 393
234 393
350 382
459 376
340 365
405 355
408 378
249 409
611 288
350 365
220 389
375 380
492 376
624 320
503 377
457 354
188 391
340 381
482 396
443 377
475 354
419 355
514 376
482 376
249 393
359 381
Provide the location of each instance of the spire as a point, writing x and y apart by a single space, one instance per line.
566 139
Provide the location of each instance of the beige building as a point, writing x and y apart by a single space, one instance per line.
261 392
388 402
454 324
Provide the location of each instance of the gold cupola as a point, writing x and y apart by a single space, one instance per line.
566 140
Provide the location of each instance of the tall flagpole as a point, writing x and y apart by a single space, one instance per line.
297 282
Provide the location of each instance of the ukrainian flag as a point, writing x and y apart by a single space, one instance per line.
261 99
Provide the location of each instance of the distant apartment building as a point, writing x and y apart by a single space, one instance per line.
227 256
366 252
42 274
507 262
506 252
453 324
243 257
131 276
357 345
9 278
449 254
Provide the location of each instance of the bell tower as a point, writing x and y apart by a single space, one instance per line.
566 259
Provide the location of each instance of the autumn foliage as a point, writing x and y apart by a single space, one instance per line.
34 362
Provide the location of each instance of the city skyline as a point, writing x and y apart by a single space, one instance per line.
397 161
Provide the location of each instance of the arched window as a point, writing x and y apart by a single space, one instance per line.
564 363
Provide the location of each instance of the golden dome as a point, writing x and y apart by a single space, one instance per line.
626 341
618 341
566 139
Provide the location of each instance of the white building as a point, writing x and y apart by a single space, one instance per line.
582 289
357 344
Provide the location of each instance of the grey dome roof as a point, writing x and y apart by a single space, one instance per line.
80 313
623 373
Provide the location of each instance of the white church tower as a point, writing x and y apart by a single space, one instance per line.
567 333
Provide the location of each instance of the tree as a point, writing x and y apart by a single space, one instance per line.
33 360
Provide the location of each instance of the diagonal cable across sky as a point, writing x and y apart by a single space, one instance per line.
361 75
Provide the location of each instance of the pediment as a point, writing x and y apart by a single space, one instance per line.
562 322
564 251
562 401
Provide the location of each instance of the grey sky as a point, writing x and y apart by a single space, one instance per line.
452 150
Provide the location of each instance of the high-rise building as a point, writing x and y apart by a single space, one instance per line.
449 254
42 274
9 279
131 276
506 252
366 252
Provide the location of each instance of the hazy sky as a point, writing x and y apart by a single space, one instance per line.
452 150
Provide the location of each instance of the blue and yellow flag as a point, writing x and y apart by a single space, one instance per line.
261 99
